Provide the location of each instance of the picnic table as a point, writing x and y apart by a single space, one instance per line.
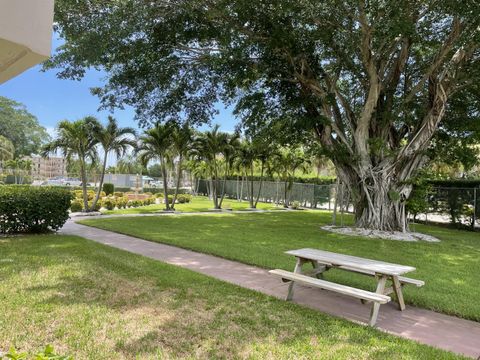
322 261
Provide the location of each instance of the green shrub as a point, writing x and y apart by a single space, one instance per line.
135 203
418 202
122 202
159 195
118 194
109 188
109 203
98 205
77 205
184 198
24 208
91 194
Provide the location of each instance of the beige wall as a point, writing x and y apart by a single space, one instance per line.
25 35
45 168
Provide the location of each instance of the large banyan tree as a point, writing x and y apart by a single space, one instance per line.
371 79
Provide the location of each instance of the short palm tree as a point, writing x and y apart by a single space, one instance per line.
210 146
286 162
156 144
19 169
181 141
114 139
76 140
245 163
230 152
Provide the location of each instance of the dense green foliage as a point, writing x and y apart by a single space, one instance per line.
456 183
21 128
262 238
98 302
33 209
108 188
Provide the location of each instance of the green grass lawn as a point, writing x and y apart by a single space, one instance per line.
199 203
451 268
96 302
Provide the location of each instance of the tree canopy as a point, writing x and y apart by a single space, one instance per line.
21 128
372 79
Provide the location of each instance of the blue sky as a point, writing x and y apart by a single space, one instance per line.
51 99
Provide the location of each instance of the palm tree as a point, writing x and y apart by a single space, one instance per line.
155 144
210 147
129 164
76 140
230 153
7 150
113 139
245 164
20 168
286 162
263 154
199 170
181 144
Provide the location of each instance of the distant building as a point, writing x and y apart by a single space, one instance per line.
46 168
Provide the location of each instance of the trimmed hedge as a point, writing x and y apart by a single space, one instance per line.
324 180
32 209
108 188
457 183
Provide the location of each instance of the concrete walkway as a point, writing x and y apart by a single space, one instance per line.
428 327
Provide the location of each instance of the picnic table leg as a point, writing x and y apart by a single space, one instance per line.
376 306
318 269
397 287
297 270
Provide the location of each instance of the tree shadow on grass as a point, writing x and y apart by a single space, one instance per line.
98 300
183 314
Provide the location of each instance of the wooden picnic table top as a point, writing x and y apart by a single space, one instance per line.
352 262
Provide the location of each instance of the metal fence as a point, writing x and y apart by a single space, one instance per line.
308 195
443 204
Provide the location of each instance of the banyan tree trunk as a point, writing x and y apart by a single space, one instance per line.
380 197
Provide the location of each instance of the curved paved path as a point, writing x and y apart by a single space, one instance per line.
428 327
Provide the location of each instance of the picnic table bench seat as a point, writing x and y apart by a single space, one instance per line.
327 285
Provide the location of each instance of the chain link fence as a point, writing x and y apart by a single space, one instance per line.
460 206
308 195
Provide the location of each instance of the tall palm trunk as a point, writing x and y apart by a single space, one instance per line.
285 204
102 178
177 183
223 188
83 175
260 185
165 184
215 189
251 187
